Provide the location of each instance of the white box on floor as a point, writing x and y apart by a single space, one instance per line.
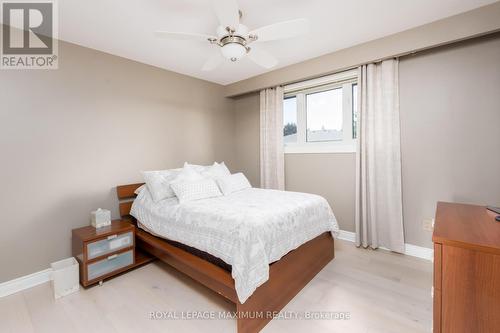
65 277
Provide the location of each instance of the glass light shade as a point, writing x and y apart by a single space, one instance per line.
233 51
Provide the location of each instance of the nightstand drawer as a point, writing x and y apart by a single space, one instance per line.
110 244
110 264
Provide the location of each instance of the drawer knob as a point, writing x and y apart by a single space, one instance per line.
112 237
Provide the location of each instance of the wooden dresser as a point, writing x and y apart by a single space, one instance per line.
466 269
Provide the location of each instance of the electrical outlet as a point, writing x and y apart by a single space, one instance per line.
428 224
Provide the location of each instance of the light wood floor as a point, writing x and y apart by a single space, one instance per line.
382 291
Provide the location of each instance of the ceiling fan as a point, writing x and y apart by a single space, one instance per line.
234 38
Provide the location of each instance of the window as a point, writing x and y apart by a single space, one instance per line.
324 116
290 119
321 115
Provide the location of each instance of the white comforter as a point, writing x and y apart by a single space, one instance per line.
248 229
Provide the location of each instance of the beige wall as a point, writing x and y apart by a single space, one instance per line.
450 120
450 130
247 138
329 175
69 136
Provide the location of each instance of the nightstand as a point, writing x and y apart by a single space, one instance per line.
105 252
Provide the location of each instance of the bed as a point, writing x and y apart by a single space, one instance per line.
271 245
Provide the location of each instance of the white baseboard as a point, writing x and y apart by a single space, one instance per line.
347 236
25 282
419 252
410 249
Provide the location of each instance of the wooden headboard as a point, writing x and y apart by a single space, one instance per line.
126 196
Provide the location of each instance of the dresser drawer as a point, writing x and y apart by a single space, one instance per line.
110 244
110 264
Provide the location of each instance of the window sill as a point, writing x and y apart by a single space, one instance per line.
320 148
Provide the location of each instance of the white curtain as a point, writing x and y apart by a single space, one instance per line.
272 165
379 207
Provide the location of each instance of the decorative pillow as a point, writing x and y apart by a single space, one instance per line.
196 190
216 171
158 183
233 183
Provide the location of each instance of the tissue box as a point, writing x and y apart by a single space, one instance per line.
100 218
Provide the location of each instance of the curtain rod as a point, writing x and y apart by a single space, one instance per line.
348 68
492 34
400 55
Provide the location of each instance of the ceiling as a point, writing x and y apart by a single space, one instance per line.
125 28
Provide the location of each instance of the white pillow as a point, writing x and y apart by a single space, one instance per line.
158 183
139 189
217 170
196 190
233 183
187 174
197 167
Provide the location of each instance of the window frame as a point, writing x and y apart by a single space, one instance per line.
344 80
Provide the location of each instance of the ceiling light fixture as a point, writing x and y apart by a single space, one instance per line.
234 47
234 38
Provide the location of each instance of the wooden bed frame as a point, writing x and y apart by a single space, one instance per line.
286 277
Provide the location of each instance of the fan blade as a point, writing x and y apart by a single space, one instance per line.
227 12
213 62
281 30
262 58
183 36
